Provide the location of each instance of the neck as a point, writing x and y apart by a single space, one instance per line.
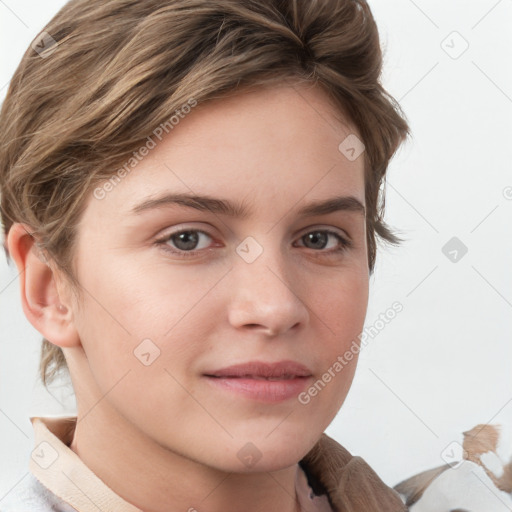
155 479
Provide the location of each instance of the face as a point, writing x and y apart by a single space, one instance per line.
175 293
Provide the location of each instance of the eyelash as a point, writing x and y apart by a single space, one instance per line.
345 244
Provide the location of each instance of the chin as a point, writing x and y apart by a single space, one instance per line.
272 452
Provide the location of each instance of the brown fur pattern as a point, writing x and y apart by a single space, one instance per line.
414 487
483 439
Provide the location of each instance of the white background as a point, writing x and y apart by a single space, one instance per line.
444 363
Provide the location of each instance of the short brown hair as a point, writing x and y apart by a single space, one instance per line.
122 68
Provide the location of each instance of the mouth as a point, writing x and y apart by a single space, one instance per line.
256 377
263 382
262 370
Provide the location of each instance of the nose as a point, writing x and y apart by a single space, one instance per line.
266 295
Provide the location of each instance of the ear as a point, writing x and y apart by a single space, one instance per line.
47 310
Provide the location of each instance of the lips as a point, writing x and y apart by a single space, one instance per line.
282 370
269 383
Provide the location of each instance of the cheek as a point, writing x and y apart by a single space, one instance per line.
342 310
342 304
108 317
124 307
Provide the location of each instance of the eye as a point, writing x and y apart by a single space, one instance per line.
186 243
319 238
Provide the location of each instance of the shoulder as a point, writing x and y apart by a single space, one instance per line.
349 481
29 495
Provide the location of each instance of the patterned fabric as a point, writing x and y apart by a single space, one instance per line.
477 476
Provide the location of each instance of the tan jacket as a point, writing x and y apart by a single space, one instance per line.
350 483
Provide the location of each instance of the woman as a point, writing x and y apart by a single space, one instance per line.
191 191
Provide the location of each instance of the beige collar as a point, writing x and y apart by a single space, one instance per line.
60 469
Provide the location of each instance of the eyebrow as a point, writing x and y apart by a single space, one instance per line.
226 207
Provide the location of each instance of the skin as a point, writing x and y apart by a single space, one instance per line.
160 435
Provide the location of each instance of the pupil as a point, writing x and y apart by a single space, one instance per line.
186 240
317 236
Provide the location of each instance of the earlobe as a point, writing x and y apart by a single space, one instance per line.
42 304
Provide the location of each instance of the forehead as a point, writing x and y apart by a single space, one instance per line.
278 143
